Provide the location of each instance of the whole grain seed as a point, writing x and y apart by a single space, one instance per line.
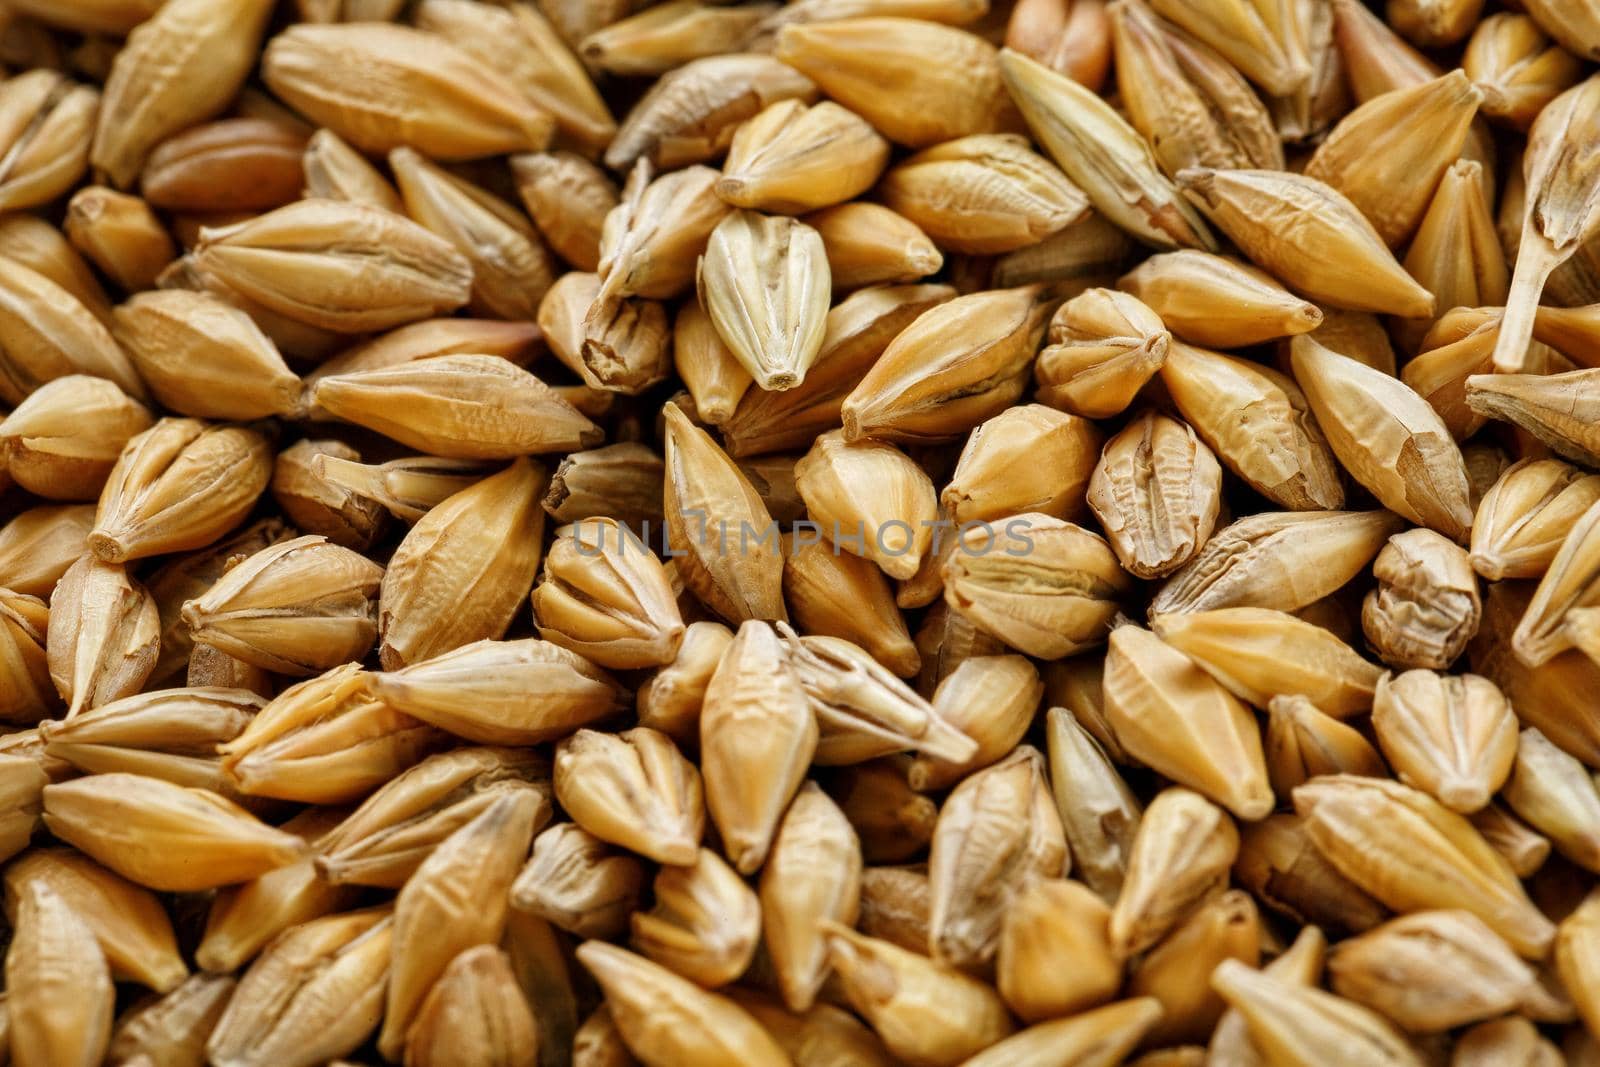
1054 553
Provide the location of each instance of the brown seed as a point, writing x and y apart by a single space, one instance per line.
1044 586
511 268
764 281
338 265
1414 854
1104 155
1281 560
998 833
1104 346
605 595
867 244
1104 1035
1099 813
1458 346
577 882
63 440
1426 606
1048 921
474 1011
928 1013
47 332
956 365
1525 516
706 492
1456 254
335 171
1517 66
179 485
237 164
1176 972
1280 866
1303 742
106 635
170 734
1189 102
457 899
1432 971
164 836
1156 491
1387 437
1554 408
1556 794
1576 962
656 41
205 358
568 198
1281 451
1217 301
181 66
127 921
451 107
983 194
46 250
1390 153
295 608
1180 857
670 1019
1175 718
60 998
1309 219
477 691
705 924
1549 697
522 45
838 594
690 114
791 159
1300 964
1453 737
173 1029
757 736
484 537
39 544
633 789
315 994
1302 1024
623 481
1258 654
918 82
1560 616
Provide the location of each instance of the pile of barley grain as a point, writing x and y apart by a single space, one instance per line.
840 533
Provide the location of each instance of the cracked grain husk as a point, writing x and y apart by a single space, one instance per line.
1157 490
1426 606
